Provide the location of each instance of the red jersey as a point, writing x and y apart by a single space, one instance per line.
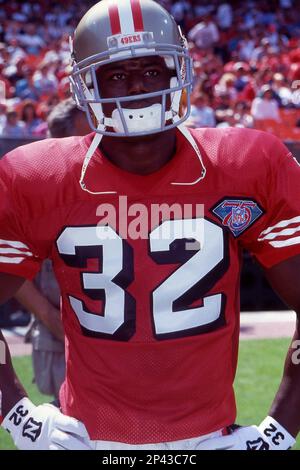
149 271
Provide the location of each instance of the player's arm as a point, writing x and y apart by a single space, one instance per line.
285 279
278 430
35 302
32 427
9 285
10 387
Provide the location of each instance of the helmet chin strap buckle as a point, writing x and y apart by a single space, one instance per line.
138 120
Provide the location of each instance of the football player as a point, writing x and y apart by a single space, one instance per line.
145 221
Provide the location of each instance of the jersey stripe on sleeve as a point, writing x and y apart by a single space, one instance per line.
282 234
13 252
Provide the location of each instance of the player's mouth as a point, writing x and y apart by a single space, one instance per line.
138 104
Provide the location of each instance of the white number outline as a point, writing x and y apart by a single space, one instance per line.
123 330
201 319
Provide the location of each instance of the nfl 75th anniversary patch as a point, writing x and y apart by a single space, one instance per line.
237 214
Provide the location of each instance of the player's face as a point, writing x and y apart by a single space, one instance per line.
133 77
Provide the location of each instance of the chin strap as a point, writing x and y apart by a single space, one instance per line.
96 142
134 119
92 149
97 110
183 129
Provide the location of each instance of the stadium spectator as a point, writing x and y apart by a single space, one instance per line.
204 34
296 93
44 80
66 119
201 115
242 115
29 117
282 91
227 85
6 86
29 38
2 117
224 16
241 72
265 106
14 128
181 11
265 35
25 87
246 46
286 3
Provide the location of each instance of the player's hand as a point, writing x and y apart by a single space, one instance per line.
44 427
269 435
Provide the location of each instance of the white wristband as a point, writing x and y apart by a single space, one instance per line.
277 437
44 427
15 417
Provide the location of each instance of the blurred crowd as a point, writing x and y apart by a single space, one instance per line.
246 58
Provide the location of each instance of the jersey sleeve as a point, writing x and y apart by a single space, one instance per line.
18 256
277 235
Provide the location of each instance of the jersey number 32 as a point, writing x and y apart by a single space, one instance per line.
199 246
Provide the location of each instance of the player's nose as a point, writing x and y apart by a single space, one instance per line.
136 84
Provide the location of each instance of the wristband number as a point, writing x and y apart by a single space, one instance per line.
18 414
277 438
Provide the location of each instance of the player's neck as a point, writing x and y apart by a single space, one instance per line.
140 156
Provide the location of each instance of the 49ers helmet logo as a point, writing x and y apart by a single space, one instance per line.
131 39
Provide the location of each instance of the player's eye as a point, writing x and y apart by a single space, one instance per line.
152 73
117 76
